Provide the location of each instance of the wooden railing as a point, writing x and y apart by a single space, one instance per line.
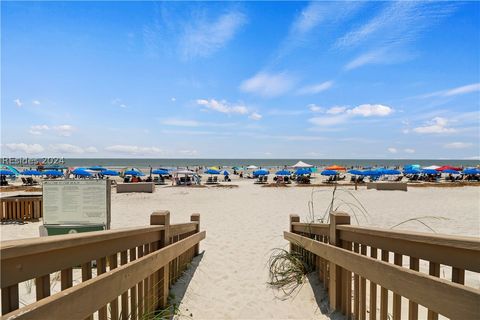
358 265
20 208
113 274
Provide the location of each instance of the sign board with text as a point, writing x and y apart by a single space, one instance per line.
77 202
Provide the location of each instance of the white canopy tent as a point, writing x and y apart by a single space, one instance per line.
301 164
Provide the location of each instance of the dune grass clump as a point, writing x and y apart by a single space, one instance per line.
287 271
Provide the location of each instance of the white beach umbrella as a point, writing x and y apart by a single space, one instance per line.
431 167
301 164
252 167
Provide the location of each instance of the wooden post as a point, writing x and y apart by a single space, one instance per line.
163 218
196 218
293 218
335 287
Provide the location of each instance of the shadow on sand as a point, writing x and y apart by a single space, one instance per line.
321 297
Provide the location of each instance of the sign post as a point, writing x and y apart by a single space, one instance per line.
71 206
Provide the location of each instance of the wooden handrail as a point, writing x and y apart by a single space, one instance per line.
320 229
82 300
453 251
450 299
20 258
181 228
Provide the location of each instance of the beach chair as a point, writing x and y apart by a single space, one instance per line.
24 181
265 179
215 179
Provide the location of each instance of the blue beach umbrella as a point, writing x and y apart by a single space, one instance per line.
160 172
411 171
226 173
302 171
6 173
97 168
371 173
429 171
110 173
211 171
134 173
355 172
329 173
31 173
261 172
283 173
391 172
471 171
81 172
54 173
450 171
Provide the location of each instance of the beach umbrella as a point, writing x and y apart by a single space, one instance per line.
451 171
412 171
214 168
212 171
31 173
429 171
226 173
471 171
160 172
355 172
52 173
372 173
81 172
252 167
261 172
237 168
432 167
302 171
447 168
97 168
283 173
133 173
336 168
390 172
6 173
110 173
329 173
412 166
301 164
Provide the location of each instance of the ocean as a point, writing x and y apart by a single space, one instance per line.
265 163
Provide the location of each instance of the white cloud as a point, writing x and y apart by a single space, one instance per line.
38 129
436 125
316 88
188 153
268 85
64 130
369 110
336 110
255 116
314 108
180 122
91 150
458 145
25 148
173 99
18 102
67 148
392 150
133 150
337 115
374 56
119 103
409 150
469 88
202 37
36 102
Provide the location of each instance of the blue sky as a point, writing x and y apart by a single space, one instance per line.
241 80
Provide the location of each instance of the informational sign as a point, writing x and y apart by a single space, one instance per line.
76 202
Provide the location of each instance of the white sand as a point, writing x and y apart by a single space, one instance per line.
243 224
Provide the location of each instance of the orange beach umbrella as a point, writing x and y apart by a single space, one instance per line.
336 168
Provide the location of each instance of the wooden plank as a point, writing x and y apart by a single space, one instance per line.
102 309
347 296
181 228
10 301
66 278
434 270
412 305
384 292
87 275
311 228
42 287
373 290
407 283
113 262
140 307
397 299
17 269
460 252
146 285
356 288
83 299
363 289
125 312
133 290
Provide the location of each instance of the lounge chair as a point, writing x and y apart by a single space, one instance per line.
215 179
24 182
